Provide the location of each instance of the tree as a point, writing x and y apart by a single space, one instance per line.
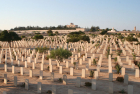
93 29
50 33
9 36
38 36
56 32
103 32
22 36
60 54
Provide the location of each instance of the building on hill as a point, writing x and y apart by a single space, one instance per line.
72 26
135 28
112 31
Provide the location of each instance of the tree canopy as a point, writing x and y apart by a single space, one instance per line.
77 36
103 32
38 36
9 36
60 54
93 28
50 33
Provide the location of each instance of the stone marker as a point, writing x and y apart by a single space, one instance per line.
98 68
52 76
27 84
110 77
60 69
78 82
41 75
5 78
83 73
93 84
80 61
15 80
25 64
137 72
65 79
54 89
42 67
33 67
13 69
21 70
111 87
51 68
39 87
70 91
126 79
71 60
30 73
18 63
4 92
96 74
35 60
71 71
5 65
123 71
130 89
89 62
67 64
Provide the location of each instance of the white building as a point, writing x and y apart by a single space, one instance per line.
112 31
72 26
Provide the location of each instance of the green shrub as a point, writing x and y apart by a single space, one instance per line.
41 50
115 59
138 64
38 36
48 67
94 62
49 92
91 73
74 64
60 80
120 79
118 51
122 91
88 84
130 38
118 68
47 57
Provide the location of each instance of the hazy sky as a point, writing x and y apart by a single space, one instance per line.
120 14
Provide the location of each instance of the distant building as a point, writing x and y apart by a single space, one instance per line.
112 31
135 28
72 26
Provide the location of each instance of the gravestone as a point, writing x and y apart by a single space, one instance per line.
93 84
130 89
71 71
39 87
54 89
27 84
111 87
15 80
78 82
65 79
126 79
52 76
110 77
70 91
5 78
83 73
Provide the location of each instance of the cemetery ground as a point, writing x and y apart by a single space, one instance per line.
25 71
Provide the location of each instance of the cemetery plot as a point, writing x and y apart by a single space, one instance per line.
109 65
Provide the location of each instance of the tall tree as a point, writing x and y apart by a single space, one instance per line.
9 36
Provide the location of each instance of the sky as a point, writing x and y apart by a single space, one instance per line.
120 14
